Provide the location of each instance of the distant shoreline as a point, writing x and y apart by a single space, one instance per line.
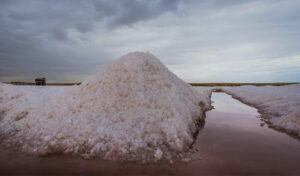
192 84
47 84
243 84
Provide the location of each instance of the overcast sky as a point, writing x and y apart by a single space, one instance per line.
200 41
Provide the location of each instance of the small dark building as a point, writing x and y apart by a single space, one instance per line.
40 81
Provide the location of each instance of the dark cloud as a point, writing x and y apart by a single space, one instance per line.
55 17
32 32
66 37
127 12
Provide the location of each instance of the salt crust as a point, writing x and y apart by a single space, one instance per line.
134 110
279 104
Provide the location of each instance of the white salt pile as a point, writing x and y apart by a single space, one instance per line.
135 109
280 105
20 102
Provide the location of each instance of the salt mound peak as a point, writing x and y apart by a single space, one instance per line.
134 109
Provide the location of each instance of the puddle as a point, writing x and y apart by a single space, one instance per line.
232 142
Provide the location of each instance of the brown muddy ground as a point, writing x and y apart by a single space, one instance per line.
233 142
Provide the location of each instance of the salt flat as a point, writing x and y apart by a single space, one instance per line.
280 105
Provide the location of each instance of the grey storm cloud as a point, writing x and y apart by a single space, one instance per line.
67 40
27 27
34 18
127 12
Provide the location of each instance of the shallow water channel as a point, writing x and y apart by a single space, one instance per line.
233 141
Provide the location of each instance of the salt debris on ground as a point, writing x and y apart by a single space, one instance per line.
134 109
279 104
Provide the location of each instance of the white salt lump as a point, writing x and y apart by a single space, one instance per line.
135 109
279 104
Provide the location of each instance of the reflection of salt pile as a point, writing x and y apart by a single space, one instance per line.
135 109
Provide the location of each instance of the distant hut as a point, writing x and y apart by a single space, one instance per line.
40 81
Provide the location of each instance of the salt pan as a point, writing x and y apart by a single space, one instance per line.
279 104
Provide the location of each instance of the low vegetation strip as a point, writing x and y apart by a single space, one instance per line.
48 84
241 84
192 84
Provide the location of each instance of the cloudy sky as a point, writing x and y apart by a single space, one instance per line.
200 41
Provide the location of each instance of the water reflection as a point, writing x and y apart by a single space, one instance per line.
234 137
225 103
